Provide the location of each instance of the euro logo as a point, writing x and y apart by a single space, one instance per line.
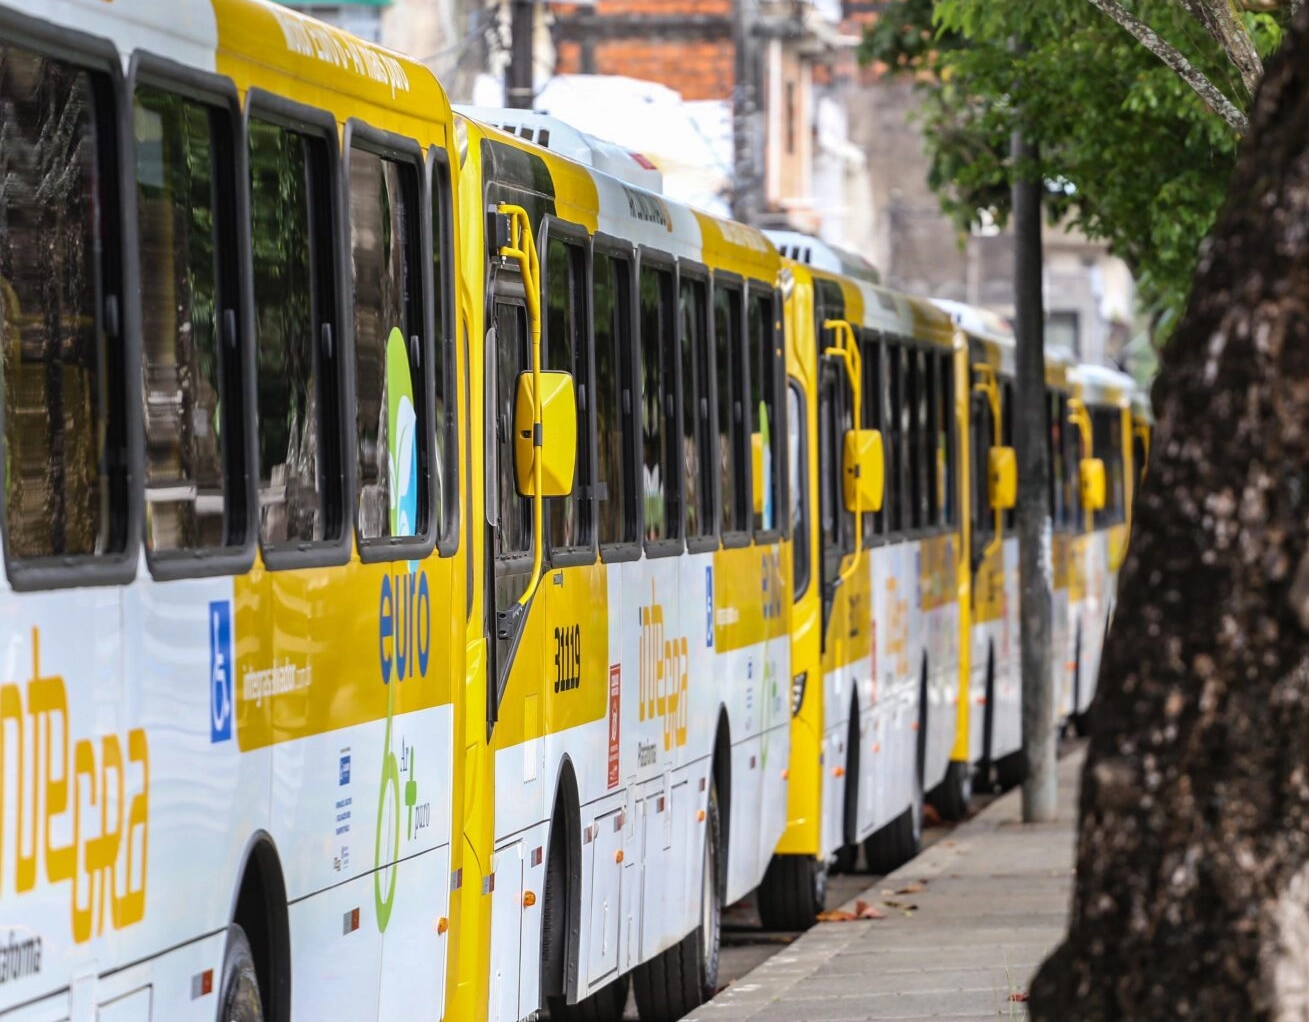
220 671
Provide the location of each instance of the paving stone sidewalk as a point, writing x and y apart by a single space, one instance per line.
993 903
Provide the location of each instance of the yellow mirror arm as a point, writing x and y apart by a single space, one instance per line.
522 249
1078 416
990 388
847 351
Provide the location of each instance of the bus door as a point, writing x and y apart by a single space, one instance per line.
837 525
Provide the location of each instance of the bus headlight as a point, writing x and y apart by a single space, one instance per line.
797 691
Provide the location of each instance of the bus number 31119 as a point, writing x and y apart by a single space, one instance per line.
568 658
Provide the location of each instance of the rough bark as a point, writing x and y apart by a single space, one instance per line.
1173 58
1192 891
1221 21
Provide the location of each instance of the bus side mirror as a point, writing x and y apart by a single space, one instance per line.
1002 478
863 470
557 444
757 472
1091 473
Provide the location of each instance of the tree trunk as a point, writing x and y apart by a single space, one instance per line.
1192 893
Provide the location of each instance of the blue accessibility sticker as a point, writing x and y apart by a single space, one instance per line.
220 671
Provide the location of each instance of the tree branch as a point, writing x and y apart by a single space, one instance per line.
1219 19
1184 69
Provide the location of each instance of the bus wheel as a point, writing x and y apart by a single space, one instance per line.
239 999
605 1005
1011 770
686 975
951 797
794 891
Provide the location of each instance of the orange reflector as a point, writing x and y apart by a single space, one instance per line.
876 747
786 774
202 983
618 855
913 726
838 771
699 817
350 922
981 700
529 899
442 925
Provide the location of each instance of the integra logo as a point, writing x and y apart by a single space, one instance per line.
663 673
404 629
19 958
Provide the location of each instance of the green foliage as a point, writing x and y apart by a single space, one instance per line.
1130 154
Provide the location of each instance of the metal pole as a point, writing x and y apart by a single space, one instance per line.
745 103
518 76
1031 433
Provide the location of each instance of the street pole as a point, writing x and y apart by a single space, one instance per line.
518 77
745 103
1031 432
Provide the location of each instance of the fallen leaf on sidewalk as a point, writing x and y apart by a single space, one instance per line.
911 889
1018 995
836 915
866 911
931 818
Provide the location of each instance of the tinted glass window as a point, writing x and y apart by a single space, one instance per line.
514 535
64 427
659 475
899 493
982 515
697 460
391 422
945 442
1007 436
190 358
728 354
615 469
765 423
565 349
446 450
295 337
797 462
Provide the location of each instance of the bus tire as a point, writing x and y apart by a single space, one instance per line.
684 976
793 892
239 999
952 796
1011 770
895 844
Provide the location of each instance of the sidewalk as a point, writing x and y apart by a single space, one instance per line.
993 903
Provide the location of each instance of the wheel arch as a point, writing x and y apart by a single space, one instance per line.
259 907
559 977
721 773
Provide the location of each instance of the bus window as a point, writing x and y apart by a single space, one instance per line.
445 467
1106 431
764 418
1007 516
899 493
392 421
798 466
659 476
728 344
874 417
569 518
191 374
697 461
834 418
614 407
945 444
65 427
513 537
1054 467
982 515
297 343
919 444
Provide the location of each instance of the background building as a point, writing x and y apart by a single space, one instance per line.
759 108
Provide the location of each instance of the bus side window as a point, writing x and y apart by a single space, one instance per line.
797 461
297 338
734 500
764 415
1055 469
393 425
945 439
513 537
874 417
564 311
615 408
899 492
658 346
194 401
697 436
445 413
982 515
1008 517
66 480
